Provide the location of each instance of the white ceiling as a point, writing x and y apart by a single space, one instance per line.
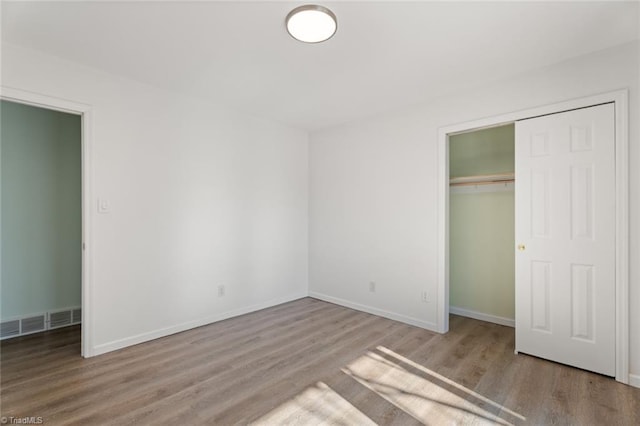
385 55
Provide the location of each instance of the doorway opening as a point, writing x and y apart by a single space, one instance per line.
41 219
45 215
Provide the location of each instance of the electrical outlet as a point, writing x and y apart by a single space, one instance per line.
425 296
221 290
372 286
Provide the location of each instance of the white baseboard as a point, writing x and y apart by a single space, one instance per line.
482 316
156 334
634 380
375 311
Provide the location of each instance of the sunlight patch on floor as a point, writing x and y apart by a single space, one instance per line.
424 394
449 382
317 405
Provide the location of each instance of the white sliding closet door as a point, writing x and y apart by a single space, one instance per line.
565 237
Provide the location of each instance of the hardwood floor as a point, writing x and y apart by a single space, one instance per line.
306 362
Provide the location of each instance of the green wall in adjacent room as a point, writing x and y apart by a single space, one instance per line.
482 226
41 218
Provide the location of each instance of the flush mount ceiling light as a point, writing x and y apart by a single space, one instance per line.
311 23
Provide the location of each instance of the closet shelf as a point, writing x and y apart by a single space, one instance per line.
482 179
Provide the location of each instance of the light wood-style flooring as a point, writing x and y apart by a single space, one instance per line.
306 362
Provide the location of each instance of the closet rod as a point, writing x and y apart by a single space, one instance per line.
482 179
492 182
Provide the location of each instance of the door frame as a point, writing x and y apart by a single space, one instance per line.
85 112
620 99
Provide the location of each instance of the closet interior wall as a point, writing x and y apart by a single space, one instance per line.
482 228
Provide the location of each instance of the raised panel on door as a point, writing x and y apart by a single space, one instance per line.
540 203
540 294
581 193
582 303
565 221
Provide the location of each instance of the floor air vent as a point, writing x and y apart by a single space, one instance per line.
9 329
40 322
33 324
59 319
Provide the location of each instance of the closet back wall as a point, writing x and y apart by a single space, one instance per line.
482 258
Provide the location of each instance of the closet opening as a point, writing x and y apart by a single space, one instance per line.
482 224
571 149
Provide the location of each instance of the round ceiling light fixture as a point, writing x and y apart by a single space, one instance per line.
311 23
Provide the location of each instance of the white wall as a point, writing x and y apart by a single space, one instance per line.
200 196
373 185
